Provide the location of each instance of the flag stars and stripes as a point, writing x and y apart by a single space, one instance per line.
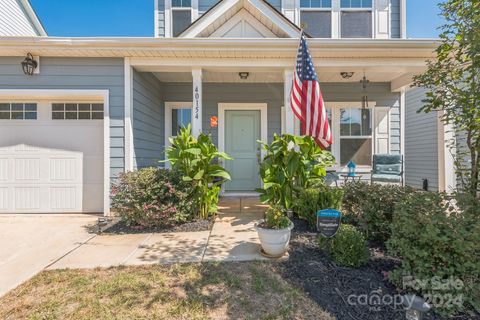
306 98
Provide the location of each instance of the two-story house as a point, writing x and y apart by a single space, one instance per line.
95 107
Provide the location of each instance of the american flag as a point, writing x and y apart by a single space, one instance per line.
306 98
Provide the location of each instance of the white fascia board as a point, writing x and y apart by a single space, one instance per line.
150 42
34 18
208 18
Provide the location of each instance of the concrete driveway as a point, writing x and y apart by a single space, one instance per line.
29 243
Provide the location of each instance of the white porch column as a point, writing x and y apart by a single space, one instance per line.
197 102
289 115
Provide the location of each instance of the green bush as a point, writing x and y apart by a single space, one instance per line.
371 207
275 218
347 248
153 197
197 159
291 164
309 201
438 238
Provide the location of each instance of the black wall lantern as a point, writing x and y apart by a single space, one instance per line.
29 65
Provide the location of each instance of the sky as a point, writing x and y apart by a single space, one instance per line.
134 18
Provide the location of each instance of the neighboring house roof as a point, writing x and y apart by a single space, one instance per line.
242 19
17 18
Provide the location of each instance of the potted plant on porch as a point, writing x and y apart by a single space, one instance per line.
274 232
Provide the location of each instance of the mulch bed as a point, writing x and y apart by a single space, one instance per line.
198 225
330 285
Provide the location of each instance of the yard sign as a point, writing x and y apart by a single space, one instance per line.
328 222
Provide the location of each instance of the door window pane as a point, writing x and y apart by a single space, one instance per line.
318 24
180 118
357 150
181 19
356 24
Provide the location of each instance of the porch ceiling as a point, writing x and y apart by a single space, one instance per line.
276 75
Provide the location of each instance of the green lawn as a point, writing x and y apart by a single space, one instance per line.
182 291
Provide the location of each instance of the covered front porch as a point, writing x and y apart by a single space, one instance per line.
238 94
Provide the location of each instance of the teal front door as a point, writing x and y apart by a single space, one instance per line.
242 130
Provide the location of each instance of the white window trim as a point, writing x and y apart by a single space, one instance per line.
169 107
335 112
24 102
101 95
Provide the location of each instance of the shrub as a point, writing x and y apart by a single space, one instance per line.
347 248
290 165
153 197
197 159
309 201
438 239
371 207
275 218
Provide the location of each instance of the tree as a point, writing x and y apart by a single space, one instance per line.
452 80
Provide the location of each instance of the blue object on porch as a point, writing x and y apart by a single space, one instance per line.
351 168
387 168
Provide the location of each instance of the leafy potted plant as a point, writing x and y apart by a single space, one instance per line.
274 231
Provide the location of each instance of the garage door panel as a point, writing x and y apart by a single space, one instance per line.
65 198
4 169
4 196
64 169
27 198
27 169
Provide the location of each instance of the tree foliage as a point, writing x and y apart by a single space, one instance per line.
452 80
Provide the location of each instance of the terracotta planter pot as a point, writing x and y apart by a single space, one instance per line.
274 241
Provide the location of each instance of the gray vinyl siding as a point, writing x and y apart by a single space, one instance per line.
204 5
77 73
421 142
395 19
148 120
272 94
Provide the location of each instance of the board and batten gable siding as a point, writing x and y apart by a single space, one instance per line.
421 142
77 74
148 120
395 19
272 94
14 21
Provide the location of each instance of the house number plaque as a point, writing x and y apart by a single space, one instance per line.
197 99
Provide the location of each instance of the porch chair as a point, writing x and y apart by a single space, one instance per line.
387 168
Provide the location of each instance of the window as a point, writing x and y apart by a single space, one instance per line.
181 16
316 17
355 22
315 3
77 111
181 3
318 24
355 136
356 3
180 118
18 111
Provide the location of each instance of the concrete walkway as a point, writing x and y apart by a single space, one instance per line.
232 238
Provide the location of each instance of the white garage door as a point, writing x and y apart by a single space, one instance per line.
51 156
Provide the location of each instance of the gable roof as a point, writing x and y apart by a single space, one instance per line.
17 18
258 12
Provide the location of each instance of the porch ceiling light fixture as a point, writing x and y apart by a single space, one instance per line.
243 75
29 65
347 75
